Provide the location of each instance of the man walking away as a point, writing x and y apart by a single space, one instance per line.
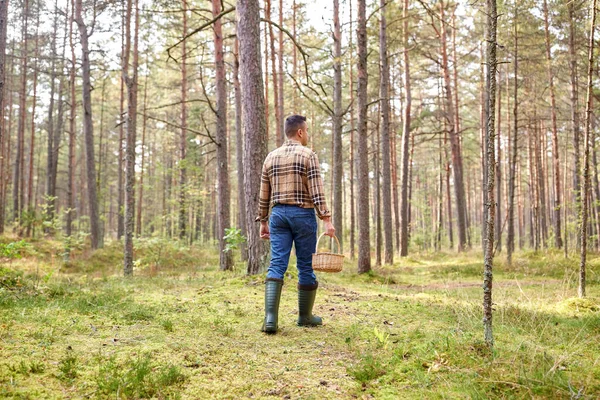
291 186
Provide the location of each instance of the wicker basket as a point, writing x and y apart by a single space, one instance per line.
327 262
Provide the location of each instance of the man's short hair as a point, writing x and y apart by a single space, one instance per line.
293 123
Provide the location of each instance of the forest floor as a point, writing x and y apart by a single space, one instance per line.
180 328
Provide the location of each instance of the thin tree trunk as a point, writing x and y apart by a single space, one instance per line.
278 117
404 175
497 184
121 176
457 166
510 239
586 159
337 124
3 36
183 134
239 148
88 131
385 137
555 155
224 207
19 157
73 113
491 202
131 81
280 71
30 194
574 99
253 112
364 245
138 225
352 131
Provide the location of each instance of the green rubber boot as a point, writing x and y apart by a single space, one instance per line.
306 300
273 288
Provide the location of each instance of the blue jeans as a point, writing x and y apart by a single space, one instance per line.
292 224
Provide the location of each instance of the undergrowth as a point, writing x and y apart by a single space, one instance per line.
182 329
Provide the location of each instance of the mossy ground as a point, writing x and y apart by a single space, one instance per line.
180 328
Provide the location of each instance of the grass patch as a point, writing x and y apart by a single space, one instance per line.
412 330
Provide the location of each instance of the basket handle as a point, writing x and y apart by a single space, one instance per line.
319 239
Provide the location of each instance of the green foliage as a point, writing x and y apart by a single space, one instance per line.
160 252
14 250
67 367
136 378
10 279
233 239
368 369
27 367
167 325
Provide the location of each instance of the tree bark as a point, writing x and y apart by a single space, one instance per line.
586 159
253 112
3 35
337 124
352 141
225 259
510 239
131 82
574 100
183 134
364 245
457 163
384 96
404 175
71 156
491 165
88 131
138 224
278 116
555 154
18 178
239 148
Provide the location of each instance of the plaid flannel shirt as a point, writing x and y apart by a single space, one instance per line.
291 175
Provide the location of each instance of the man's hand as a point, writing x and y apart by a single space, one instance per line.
264 230
329 229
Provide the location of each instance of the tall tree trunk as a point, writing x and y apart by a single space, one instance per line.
131 82
138 225
278 117
239 148
225 259
183 134
491 165
71 156
253 112
497 184
120 182
337 123
404 175
364 243
352 156
574 100
3 35
510 239
280 72
457 166
30 194
19 157
88 131
555 156
50 174
385 137
586 159
375 138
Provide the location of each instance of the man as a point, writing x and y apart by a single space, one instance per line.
292 187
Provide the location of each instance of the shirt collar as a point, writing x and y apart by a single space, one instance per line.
292 142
